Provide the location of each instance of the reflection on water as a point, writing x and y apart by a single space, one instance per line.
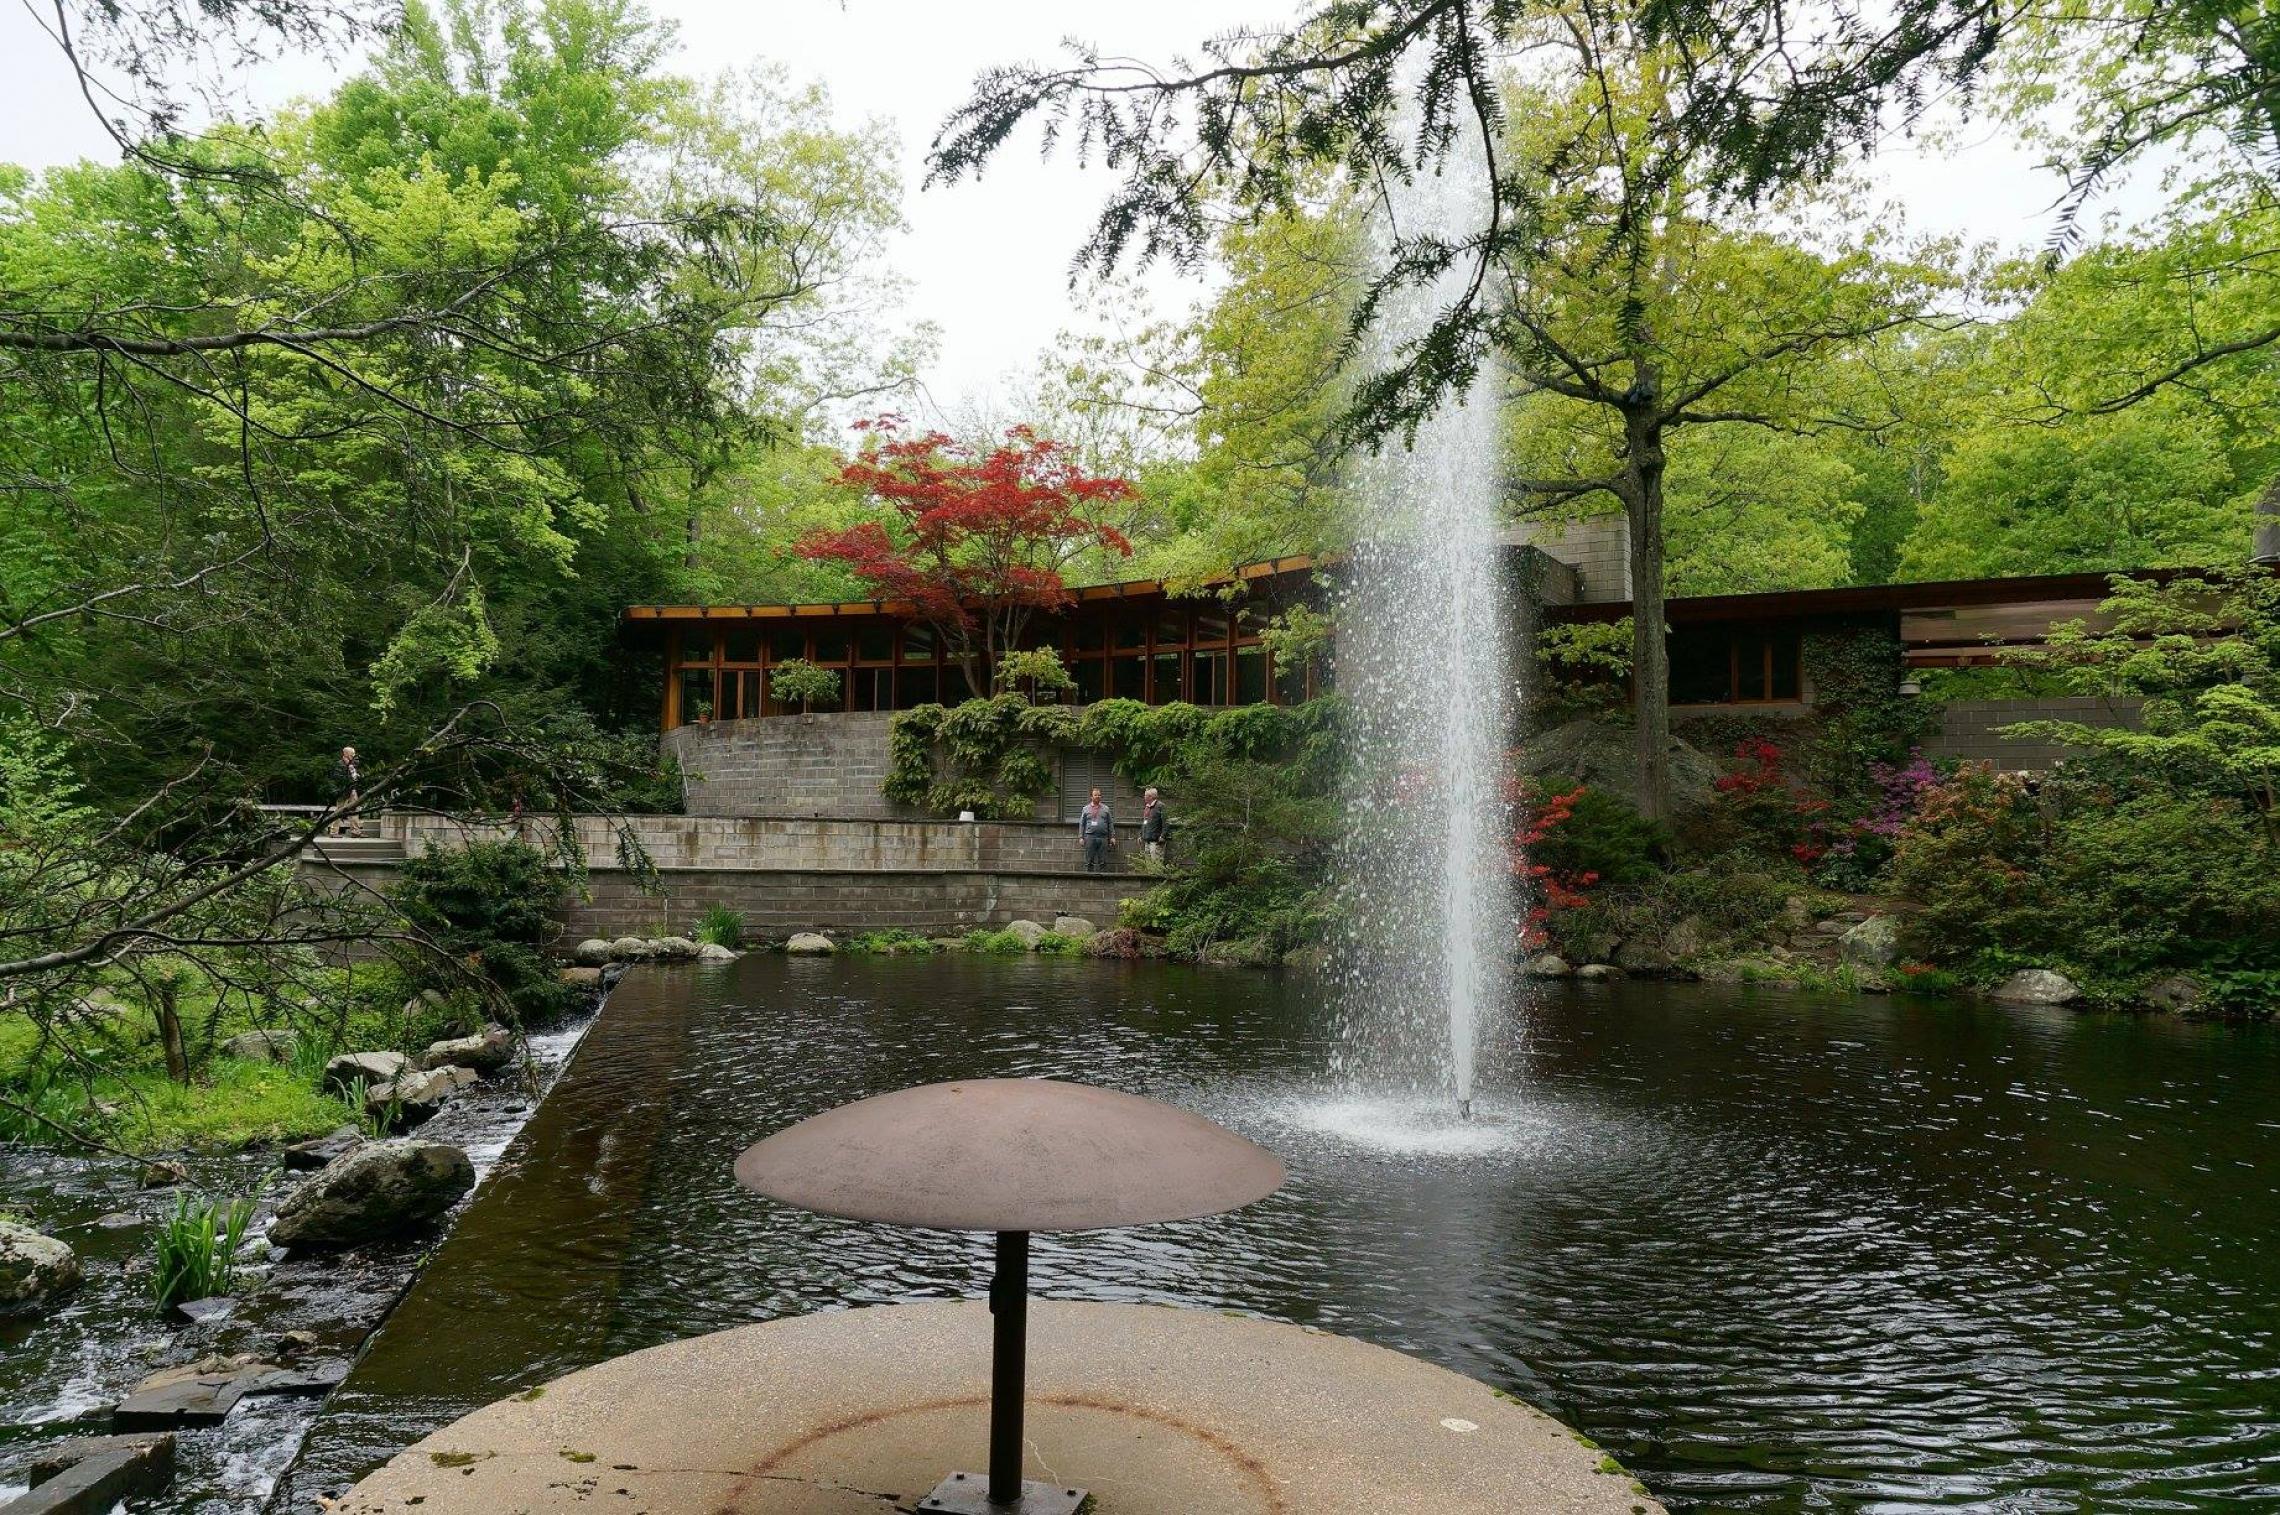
1776 1251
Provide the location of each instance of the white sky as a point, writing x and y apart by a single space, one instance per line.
987 262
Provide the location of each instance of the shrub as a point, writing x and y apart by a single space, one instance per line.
721 926
889 943
796 681
997 943
1034 673
1600 834
198 1247
490 905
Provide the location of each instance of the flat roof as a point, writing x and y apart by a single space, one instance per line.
1935 594
1128 589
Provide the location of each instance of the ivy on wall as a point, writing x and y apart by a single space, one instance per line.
1855 673
987 755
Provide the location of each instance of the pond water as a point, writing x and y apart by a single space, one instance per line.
1777 1251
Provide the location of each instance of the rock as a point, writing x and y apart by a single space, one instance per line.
96 1473
579 978
676 948
1798 910
379 1190
630 949
412 1099
1642 958
592 952
1245 952
1072 925
1598 973
204 1392
2177 991
1605 756
262 1046
1873 943
424 1001
1688 939
163 1174
291 1346
487 1051
1548 965
368 1068
810 944
321 1151
2037 986
199 1311
1833 926
714 952
1028 933
118 1220
37 1273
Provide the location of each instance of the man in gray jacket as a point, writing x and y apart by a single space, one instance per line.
1096 831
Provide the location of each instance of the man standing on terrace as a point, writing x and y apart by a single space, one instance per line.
1096 832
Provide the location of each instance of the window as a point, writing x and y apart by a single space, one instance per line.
916 686
875 644
918 645
1131 678
1166 686
786 643
1211 627
1722 665
830 647
1092 679
1171 628
747 687
697 646
1209 686
1250 676
740 647
696 693
1131 632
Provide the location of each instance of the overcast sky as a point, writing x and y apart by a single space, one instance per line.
987 261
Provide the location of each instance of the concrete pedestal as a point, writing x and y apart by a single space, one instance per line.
1156 1411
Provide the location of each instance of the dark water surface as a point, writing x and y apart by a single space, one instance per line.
1777 1251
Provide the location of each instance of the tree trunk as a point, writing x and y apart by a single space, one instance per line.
170 1033
1650 652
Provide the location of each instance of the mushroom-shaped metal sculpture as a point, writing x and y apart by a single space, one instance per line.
1010 1155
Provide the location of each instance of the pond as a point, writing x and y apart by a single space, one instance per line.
1777 1251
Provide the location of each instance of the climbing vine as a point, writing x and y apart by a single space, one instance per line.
988 755
1863 718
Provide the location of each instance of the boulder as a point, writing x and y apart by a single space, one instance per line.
714 952
424 1001
37 1273
1598 973
412 1099
1642 958
1548 965
2037 986
1072 925
673 948
1029 933
810 944
582 980
630 949
321 1151
163 1174
1688 939
369 1068
262 1046
2177 991
1605 756
379 1190
591 953
97 1473
487 1051
1873 943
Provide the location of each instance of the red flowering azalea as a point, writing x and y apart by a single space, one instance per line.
976 541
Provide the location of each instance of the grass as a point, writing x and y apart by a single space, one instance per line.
198 1248
721 926
888 943
1006 944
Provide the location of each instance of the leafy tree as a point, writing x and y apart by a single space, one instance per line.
976 541
800 682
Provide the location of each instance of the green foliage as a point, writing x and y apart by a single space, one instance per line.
1035 673
1603 836
721 926
1583 669
892 943
1860 715
197 1248
796 681
490 906
997 943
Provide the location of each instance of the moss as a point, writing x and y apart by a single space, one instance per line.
571 1456
458 1459
534 1393
1610 1466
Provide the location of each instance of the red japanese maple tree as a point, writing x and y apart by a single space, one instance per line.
976 540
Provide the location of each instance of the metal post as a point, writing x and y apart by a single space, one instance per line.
1009 1303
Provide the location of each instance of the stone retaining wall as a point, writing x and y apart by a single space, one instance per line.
713 841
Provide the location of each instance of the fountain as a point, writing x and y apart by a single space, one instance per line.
1425 658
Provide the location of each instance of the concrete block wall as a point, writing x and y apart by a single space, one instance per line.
1598 548
1968 728
831 764
787 843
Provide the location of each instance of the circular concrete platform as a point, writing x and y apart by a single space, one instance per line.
1156 1411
